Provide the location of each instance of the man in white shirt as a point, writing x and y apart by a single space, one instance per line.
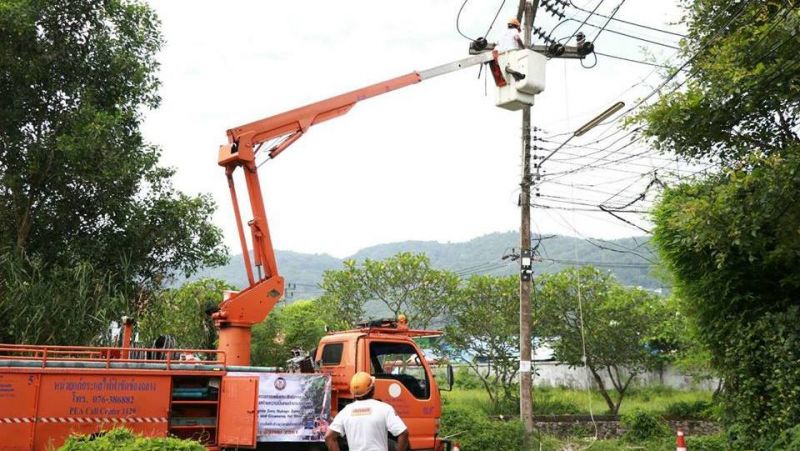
511 40
366 422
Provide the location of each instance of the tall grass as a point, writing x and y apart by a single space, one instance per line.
469 413
52 304
561 401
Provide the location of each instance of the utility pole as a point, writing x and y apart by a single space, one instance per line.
526 255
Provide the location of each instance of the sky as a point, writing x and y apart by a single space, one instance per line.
433 161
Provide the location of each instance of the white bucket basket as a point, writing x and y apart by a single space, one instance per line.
518 94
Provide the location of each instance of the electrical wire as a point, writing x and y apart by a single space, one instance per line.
697 53
458 20
593 64
584 21
596 263
628 22
610 30
671 76
584 356
585 210
495 18
630 60
613 13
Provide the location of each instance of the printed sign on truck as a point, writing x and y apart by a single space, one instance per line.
292 407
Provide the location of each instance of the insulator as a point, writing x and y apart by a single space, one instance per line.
552 8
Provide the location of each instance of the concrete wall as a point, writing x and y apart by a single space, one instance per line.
554 374
607 427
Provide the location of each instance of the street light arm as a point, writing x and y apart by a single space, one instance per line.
586 127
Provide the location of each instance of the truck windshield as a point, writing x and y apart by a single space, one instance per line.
399 361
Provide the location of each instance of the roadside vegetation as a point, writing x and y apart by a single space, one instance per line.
659 400
122 439
474 430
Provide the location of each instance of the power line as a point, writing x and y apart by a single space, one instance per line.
610 30
702 48
613 13
599 246
585 20
628 22
630 60
685 64
614 214
597 263
495 18
458 20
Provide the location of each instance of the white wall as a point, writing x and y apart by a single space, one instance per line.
556 374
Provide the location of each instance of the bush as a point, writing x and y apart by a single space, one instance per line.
125 440
762 379
789 440
685 410
476 431
466 379
642 426
716 442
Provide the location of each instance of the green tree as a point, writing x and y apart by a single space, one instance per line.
405 283
182 313
731 238
483 331
79 186
586 311
300 324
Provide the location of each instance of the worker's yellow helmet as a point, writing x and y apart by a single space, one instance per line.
361 383
513 21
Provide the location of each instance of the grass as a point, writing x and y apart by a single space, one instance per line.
560 401
470 412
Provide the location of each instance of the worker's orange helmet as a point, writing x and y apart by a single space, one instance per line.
361 383
513 21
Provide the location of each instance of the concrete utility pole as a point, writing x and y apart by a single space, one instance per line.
526 255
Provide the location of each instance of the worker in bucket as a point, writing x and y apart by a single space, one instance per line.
365 422
511 39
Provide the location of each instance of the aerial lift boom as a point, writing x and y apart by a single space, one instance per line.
216 397
241 310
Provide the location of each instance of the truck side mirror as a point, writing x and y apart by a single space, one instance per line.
450 377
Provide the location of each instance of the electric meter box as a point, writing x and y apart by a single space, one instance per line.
517 94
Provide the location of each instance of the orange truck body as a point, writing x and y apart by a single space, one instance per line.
50 393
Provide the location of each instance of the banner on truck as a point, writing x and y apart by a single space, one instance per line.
292 407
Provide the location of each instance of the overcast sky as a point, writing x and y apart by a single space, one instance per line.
434 161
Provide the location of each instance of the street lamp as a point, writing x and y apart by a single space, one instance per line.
587 126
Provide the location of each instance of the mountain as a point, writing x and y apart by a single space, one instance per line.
630 259
302 272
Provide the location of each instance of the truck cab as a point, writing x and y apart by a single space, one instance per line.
404 377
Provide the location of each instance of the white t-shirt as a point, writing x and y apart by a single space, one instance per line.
510 40
365 424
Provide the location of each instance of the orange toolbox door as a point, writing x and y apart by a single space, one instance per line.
18 395
238 414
